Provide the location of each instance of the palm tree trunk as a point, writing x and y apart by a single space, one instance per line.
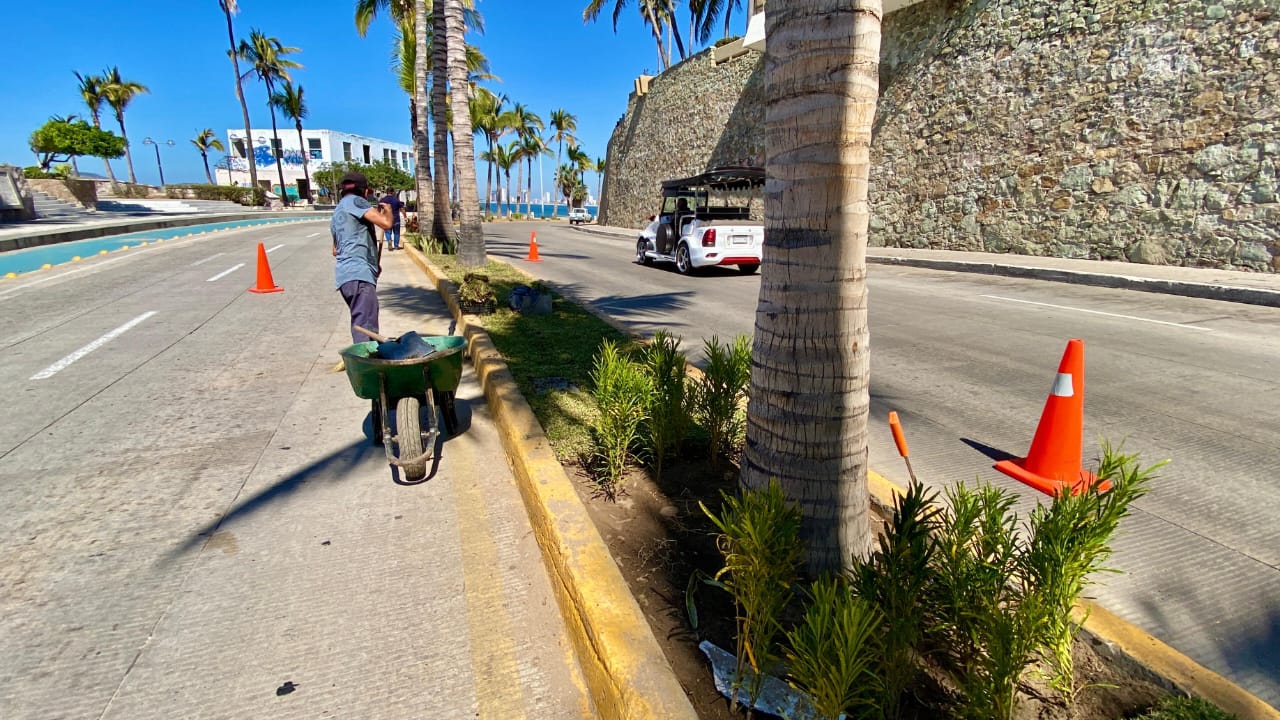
97 123
519 182
421 130
244 107
306 174
128 156
204 155
275 137
675 31
807 417
471 250
444 228
488 181
528 190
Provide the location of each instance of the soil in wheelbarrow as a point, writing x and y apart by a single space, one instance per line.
659 537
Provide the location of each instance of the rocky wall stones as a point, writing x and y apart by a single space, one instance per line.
1139 130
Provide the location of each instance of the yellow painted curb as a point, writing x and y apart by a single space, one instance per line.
627 674
1125 643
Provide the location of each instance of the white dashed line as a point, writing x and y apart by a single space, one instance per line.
1099 312
201 262
64 362
275 248
313 235
225 273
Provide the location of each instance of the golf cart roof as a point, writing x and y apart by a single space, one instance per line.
722 178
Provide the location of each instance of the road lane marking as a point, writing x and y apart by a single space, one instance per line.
201 262
313 235
225 273
64 362
1099 312
275 248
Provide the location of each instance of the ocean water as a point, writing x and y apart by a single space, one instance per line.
540 210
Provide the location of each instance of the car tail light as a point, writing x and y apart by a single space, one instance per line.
709 238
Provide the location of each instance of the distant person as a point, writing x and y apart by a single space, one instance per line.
392 236
358 252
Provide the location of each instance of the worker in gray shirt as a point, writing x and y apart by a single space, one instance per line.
358 252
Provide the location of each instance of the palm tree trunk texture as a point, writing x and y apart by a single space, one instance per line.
244 107
421 139
204 155
128 156
807 417
97 123
444 228
471 250
275 137
519 182
528 189
306 173
488 181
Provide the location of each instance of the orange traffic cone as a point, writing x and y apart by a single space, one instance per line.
533 248
1052 465
265 282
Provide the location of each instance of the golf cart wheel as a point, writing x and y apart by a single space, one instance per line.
409 438
642 257
683 262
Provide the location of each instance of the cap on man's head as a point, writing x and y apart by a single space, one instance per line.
354 180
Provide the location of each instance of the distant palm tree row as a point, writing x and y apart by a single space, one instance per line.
660 16
116 92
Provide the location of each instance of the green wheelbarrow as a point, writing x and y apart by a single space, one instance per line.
408 385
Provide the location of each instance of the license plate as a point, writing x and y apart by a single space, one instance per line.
740 240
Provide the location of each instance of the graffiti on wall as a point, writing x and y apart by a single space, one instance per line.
263 157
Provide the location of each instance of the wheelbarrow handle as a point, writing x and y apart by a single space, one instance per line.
372 334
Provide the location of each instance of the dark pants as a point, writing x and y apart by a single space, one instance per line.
362 298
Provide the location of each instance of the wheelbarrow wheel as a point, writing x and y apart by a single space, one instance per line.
444 400
376 416
409 438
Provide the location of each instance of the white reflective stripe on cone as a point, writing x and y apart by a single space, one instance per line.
1062 386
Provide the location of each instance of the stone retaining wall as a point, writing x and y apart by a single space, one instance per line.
81 193
1141 130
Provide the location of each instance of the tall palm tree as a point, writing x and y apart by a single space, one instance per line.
205 142
525 122
266 58
580 160
706 12
91 91
289 101
531 146
489 118
229 8
471 248
503 158
563 125
118 93
808 428
599 170
567 182
659 15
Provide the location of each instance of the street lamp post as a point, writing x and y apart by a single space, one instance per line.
157 144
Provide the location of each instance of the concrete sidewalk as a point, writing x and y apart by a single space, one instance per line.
1235 286
373 598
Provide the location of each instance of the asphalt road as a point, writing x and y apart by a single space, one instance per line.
192 522
967 361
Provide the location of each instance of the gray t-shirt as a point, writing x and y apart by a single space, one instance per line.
356 242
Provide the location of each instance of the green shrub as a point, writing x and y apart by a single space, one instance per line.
719 394
726 41
894 578
760 542
231 193
620 391
1070 540
833 654
33 172
668 404
1182 708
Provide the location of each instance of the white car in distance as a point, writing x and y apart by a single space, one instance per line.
720 220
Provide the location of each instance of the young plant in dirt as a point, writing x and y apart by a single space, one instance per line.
1070 540
668 406
475 292
894 579
621 392
985 623
833 654
719 394
760 542
1183 708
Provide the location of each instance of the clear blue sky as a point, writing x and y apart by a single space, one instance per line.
546 59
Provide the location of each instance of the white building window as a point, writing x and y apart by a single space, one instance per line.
313 149
238 148
346 151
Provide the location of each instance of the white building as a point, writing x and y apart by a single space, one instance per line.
322 147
